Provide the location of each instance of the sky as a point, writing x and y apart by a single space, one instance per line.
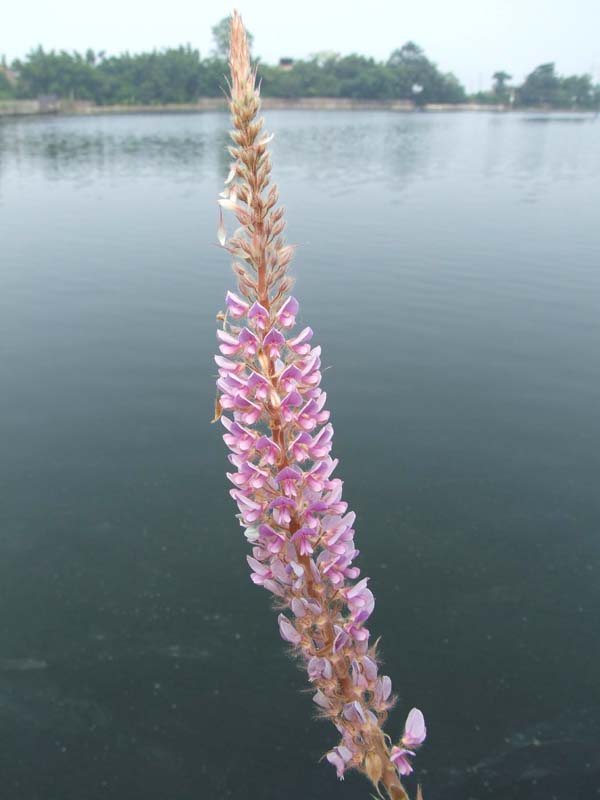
472 38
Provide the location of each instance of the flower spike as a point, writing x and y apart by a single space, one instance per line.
278 431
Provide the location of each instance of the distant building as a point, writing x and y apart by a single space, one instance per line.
286 64
48 104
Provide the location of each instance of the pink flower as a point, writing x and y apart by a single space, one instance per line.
290 378
229 344
320 445
400 761
249 412
289 403
286 316
274 540
259 385
413 736
288 480
298 449
226 366
319 668
301 607
321 700
353 712
268 449
339 757
301 344
360 601
250 510
273 342
239 439
282 508
414 729
287 630
369 668
259 571
313 413
258 317
342 639
302 540
248 342
383 689
237 307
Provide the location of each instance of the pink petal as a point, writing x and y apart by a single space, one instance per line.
400 761
287 630
414 729
320 699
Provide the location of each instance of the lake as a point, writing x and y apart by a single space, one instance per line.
450 267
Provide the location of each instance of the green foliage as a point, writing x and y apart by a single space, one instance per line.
352 76
500 90
180 75
485 98
7 91
415 76
170 76
543 87
63 74
408 74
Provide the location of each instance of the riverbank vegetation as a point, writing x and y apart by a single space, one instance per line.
182 75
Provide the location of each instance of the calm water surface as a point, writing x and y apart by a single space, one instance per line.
450 265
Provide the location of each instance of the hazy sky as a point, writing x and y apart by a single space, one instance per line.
472 38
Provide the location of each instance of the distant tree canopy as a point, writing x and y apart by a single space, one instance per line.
544 88
181 75
417 77
6 89
359 77
500 89
176 75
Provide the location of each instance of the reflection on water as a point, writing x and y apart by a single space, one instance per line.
449 265
561 118
345 149
66 148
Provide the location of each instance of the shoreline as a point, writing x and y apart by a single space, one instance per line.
45 107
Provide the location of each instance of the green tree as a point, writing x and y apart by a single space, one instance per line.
544 87
500 89
167 76
500 79
541 87
60 73
409 54
579 91
7 90
415 77
179 75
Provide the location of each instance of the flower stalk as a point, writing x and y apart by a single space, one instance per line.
278 431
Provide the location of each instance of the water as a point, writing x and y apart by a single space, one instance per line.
450 267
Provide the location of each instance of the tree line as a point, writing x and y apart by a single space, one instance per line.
181 75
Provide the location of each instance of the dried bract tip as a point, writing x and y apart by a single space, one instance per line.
221 232
239 59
